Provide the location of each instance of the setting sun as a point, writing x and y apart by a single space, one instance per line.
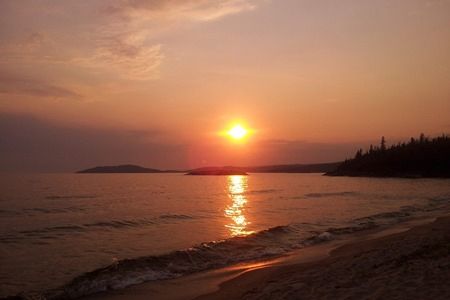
237 132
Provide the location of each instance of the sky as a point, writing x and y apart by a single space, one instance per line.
154 83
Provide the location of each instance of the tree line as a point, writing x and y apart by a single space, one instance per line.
419 157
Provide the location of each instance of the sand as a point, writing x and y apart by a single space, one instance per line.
408 261
410 265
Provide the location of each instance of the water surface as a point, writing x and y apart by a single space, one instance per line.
54 227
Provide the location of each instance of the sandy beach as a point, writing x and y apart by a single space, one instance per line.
410 265
408 261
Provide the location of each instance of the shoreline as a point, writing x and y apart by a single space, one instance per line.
411 264
251 280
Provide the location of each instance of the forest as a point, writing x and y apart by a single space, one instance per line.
419 157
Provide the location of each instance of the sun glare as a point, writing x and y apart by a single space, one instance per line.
237 132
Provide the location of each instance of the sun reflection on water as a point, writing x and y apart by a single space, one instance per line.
237 186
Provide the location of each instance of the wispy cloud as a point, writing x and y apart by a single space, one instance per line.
24 47
13 84
126 60
114 38
195 10
127 40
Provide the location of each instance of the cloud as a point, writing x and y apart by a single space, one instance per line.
125 59
22 47
137 61
117 38
127 40
193 10
31 42
12 84
34 39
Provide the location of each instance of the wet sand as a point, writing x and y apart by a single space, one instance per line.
408 261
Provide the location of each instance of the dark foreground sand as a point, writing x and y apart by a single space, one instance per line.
393 264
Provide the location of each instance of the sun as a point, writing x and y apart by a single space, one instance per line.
237 132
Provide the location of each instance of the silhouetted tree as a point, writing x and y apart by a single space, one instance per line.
383 144
422 138
359 154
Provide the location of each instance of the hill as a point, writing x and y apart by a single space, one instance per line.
422 157
120 169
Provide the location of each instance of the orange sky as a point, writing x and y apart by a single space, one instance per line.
314 79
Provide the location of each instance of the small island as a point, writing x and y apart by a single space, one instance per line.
217 171
120 169
419 158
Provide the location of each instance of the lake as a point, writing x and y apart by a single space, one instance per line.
55 227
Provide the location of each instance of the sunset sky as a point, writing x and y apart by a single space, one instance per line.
85 83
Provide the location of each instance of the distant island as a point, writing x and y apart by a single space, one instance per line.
217 171
294 168
121 169
421 157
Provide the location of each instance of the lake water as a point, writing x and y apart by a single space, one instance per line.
55 227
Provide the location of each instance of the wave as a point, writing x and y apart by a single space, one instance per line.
57 197
39 210
175 216
9 213
331 194
120 223
54 232
262 191
30 212
268 243
272 242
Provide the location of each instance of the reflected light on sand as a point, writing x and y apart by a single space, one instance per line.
237 186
